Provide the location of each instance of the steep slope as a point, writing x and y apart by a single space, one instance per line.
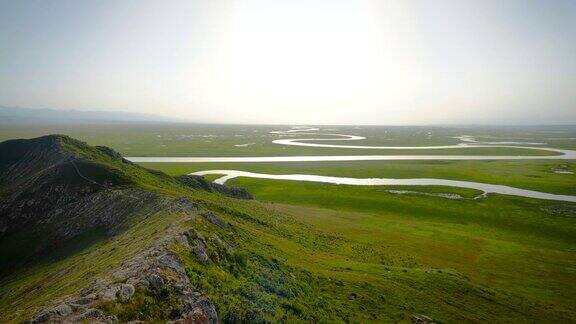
54 188
60 197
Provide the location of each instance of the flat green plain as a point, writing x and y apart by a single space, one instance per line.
170 139
526 174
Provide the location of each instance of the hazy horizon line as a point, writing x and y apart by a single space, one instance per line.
181 120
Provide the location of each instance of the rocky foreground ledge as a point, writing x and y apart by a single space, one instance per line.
157 271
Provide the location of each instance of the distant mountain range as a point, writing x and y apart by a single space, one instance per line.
45 115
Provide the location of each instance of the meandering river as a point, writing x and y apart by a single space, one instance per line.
467 142
484 187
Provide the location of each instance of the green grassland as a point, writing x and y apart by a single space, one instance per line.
338 253
310 252
533 175
517 246
168 139
513 244
395 259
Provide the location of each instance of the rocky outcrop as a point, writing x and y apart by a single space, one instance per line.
198 245
155 272
198 182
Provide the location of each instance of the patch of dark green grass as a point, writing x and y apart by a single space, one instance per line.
144 305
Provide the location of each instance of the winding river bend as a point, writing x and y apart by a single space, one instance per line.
484 187
467 142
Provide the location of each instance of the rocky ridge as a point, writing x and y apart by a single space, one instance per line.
158 271
54 189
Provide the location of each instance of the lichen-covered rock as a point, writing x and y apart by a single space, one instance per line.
126 291
200 251
83 301
172 261
53 314
121 292
203 312
63 310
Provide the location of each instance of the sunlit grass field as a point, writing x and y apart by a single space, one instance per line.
322 252
167 139
522 247
533 175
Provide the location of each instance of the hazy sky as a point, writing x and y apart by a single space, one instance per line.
295 61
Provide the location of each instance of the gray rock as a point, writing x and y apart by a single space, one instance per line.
122 292
138 283
109 294
183 241
125 291
156 283
171 261
83 301
43 317
201 252
63 310
212 218
202 312
89 314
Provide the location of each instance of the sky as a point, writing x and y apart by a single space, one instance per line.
403 62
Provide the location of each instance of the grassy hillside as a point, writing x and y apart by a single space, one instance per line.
363 256
522 246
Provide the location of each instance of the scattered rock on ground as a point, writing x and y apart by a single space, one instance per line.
212 218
